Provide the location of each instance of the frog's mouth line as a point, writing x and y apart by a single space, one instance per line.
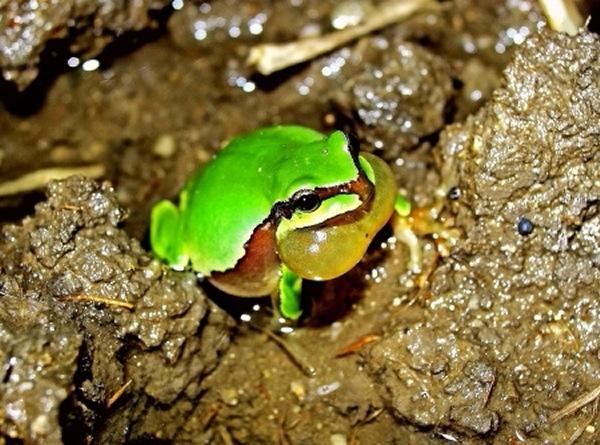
365 191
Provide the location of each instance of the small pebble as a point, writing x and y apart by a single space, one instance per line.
164 146
524 227
40 426
328 388
454 193
298 390
337 439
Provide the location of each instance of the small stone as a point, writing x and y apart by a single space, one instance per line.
62 153
164 146
454 193
40 426
298 390
524 227
337 439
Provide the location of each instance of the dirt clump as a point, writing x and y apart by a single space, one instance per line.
399 96
516 304
113 343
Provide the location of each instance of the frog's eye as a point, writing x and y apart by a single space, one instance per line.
307 202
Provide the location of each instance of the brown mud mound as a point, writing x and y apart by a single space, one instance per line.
509 332
97 339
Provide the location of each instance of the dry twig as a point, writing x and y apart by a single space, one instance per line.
225 436
99 299
581 429
562 15
118 393
575 405
269 58
39 178
357 345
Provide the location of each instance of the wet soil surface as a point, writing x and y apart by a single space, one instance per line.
79 27
485 117
64 359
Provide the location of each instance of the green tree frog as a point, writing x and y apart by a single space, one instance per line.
276 206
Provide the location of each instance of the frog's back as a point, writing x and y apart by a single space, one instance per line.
225 201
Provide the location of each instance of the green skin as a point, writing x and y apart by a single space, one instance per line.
241 222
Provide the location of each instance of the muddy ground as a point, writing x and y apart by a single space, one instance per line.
491 123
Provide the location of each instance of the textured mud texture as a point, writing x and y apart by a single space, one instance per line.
399 96
65 358
88 26
509 332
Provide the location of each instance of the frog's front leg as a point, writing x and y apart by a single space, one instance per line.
287 298
288 301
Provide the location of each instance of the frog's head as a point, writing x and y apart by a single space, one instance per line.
324 230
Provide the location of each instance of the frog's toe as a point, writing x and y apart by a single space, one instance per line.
290 289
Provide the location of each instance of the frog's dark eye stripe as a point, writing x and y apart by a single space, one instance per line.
307 202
